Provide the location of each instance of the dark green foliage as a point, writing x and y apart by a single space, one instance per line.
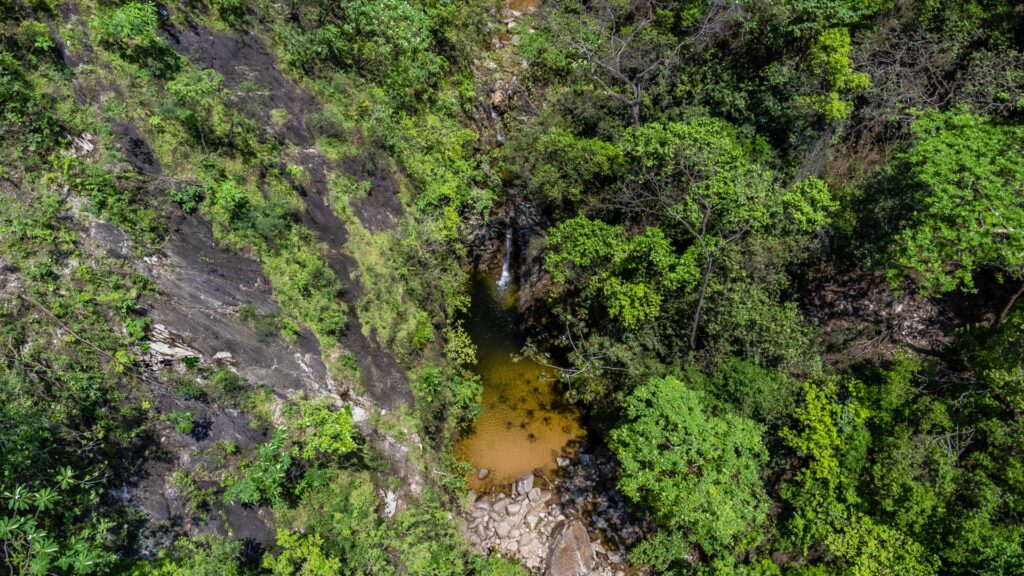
187 196
388 42
267 325
27 127
448 402
64 366
130 30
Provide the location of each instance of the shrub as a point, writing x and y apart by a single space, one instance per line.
130 30
182 421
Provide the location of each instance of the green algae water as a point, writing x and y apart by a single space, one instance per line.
524 421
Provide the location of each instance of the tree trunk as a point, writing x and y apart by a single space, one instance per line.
1009 305
700 302
634 105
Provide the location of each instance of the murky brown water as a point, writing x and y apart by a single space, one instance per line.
523 5
524 421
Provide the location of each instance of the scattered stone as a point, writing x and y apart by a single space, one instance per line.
536 495
563 462
532 519
502 529
513 508
483 473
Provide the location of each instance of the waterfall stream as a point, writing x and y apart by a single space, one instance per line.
506 274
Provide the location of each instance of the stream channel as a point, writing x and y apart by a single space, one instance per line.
524 421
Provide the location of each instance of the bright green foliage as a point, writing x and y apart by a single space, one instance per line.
200 105
305 285
966 176
871 549
131 26
344 513
34 36
832 438
118 201
300 555
324 431
629 275
713 181
421 538
183 421
698 473
711 177
822 420
829 58
262 479
788 19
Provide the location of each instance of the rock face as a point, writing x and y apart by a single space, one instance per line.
571 553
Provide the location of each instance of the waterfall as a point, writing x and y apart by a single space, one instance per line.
497 124
506 273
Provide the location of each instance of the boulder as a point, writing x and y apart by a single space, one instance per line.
513 508
502 529
483 473
524 484
570 554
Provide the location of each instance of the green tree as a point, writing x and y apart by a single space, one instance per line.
710 183
829 59
300 555
629 275
698 473
966 176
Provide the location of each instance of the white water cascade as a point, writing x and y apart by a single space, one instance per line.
506 273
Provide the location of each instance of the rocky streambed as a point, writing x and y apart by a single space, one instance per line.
574 524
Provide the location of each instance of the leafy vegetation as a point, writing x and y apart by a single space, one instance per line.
777 245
